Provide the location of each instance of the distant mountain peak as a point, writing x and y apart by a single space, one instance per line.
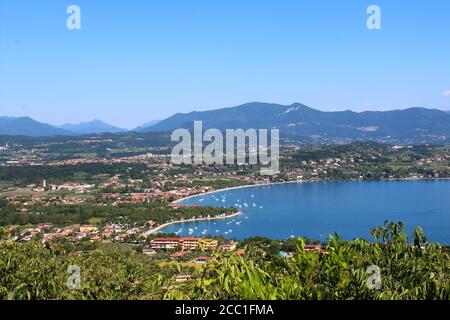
90 127
27 126
300 120
296 119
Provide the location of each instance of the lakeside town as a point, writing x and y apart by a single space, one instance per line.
33 182
86 201
236 159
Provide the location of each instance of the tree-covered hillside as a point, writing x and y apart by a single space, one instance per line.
392 268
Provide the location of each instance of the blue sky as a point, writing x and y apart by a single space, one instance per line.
138 60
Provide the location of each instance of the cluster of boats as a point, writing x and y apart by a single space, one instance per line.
221 198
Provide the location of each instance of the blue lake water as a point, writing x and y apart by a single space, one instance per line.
316 209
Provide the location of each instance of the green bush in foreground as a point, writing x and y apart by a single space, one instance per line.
408 270
31 271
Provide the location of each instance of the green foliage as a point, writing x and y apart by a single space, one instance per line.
412 269
137 213
30 271
219 183
22 175
407 272
3 203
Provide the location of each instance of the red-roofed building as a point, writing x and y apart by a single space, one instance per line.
174 205
165 243
189 243
201 260
230 246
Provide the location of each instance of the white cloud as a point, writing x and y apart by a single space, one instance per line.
446 93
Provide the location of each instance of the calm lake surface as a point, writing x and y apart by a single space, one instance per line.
316 209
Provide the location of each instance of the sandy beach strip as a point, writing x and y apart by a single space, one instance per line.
164 225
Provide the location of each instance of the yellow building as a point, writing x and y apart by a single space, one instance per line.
189 243
208 244
88 228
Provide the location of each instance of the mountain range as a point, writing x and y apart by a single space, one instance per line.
295 119
25 126
145 126
94 126
300 120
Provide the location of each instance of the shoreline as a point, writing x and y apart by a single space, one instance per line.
301 181
167 224
240 187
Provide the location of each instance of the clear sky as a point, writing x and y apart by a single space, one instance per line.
138 60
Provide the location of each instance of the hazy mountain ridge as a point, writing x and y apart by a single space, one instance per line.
300 120
417 124
94 126
28 127
145 126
